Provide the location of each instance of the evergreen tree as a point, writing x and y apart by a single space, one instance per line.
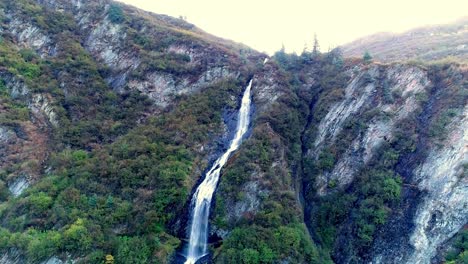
316 48
281 56
367 57
305 50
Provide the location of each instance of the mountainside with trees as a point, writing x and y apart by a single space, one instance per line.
109 117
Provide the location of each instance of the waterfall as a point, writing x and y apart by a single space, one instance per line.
201 200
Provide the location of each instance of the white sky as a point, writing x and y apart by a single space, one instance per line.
267 24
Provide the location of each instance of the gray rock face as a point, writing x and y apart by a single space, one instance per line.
362 94
25 143
15 86
105 41
14 256
163 87
40 104
356 94
250 202
56 260
5 135
443 209
267 89
29 36
18 186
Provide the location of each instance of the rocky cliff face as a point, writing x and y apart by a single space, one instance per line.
433 203
366 91
440 210
109 115
24 142
113 44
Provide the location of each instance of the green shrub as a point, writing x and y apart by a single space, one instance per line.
4 192
367 58
40 202
77 237
43 245
254 244
250 256
459 252
116 14
4 239
132 250
326 160
439 126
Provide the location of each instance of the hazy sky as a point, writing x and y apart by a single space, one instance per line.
266 24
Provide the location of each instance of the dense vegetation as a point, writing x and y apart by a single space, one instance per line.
278 217
459 252
344 222
118 179
119 175
110 199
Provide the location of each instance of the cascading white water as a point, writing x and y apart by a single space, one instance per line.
201 200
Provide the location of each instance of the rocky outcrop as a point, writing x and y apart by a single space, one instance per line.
17 88
163 87
25 147
14 256
109 43
443 207
40 104
366 91
249 201
18 186
42 108
268 89
29 36
24 144
106 42
357 93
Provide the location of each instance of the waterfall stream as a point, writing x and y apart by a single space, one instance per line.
201 200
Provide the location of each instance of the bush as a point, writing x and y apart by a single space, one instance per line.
116 14
132 250
43 245
326 160
4 239
459 252
250 256
367 58
439 126
254 244
77 237
40 202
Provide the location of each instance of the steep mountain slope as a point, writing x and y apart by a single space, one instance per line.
89 90
381 157
109 117
426 44
381 174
